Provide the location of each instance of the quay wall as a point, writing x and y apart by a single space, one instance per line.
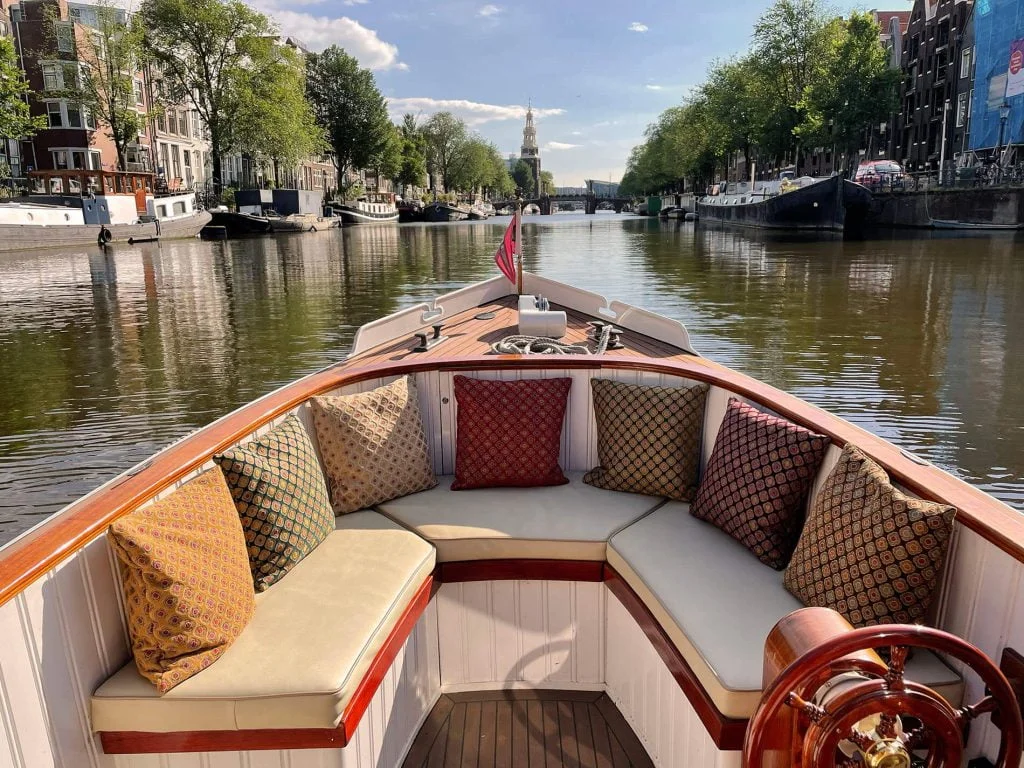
990 205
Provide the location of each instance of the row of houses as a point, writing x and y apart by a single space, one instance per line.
173 143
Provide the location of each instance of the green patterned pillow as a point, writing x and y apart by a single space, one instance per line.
281 496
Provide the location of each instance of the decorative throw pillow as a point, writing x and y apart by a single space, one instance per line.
281 496
509 432
648 438
187 589
757 479
373 445
868 550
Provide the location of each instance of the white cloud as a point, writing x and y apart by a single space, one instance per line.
652 87
319 32
473 112
636 26
577 133
488 10
354 2
554 146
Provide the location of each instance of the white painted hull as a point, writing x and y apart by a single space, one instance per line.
20 237
353 216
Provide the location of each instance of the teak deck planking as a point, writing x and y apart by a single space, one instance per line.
526 729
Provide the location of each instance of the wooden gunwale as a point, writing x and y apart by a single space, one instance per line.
41 549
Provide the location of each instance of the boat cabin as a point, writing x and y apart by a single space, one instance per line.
437 552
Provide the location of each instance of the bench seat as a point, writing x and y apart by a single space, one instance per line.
308 647
717 603
560 522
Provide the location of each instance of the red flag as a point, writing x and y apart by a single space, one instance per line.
505 257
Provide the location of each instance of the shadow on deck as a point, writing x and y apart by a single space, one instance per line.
507 729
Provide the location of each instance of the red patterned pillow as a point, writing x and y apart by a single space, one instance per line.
509 432
757 480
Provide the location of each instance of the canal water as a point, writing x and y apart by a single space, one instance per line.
107 357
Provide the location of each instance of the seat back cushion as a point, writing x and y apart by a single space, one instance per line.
509 433
756 483
373 445
648 438
188 592
281 496
868 550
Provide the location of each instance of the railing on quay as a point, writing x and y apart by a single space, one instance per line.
969 177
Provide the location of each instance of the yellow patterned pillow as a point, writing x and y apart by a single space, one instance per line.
187 586
373 445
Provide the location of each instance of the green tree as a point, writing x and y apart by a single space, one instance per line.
102 77
213 54
15 120
414 153
387 161
278 124
547 183
350 108
522 175
446 137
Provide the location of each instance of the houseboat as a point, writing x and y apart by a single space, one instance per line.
450 549
79 207
374 208
442 212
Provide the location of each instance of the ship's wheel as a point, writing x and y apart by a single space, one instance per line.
836 704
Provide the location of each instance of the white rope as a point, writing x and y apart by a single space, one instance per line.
541 345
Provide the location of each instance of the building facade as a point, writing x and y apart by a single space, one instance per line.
181 148
937 66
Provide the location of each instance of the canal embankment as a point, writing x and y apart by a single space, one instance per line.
988 206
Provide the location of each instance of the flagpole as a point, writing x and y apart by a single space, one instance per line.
519 245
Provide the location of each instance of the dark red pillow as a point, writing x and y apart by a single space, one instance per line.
757 479
509 432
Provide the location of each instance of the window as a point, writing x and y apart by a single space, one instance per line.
165 159
961 110
65 31
179 207
60 159
161 123
87 119
161 211
183 123
97 45
137 90
74 116
197 126
965 63
53 113
176 161
53 78
78 159
95 161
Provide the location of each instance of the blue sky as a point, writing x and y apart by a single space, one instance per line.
597 71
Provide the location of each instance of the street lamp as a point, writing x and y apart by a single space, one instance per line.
1004 115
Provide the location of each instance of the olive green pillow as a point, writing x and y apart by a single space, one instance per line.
648 438
280 494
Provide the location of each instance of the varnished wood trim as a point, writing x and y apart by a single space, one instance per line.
38 551
137 742
726 732
504 570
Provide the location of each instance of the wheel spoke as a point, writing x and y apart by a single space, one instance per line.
897 662
972 711
813 711
861 739
886 727
916 738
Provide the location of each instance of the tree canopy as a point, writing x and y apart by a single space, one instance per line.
351 110
522 175
811 80
219 55
15 120
463 160
413 171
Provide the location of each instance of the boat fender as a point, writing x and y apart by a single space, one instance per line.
313 228
104 236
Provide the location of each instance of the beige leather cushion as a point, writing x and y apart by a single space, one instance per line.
309 644
718 602
561 522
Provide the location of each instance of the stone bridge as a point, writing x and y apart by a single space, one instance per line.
549 203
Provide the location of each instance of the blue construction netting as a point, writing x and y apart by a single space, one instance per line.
997 24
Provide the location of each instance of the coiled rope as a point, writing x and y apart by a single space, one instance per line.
541 345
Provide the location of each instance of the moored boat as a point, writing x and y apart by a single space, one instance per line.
86 207
410 211
297 222
239 224
442 212
370 209
802 204
516 570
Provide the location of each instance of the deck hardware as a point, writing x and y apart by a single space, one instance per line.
426 342
614 340
484 316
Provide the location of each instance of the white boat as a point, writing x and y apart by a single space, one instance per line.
569 622
87 207
377 208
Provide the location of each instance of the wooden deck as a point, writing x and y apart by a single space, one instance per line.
468 336
527 729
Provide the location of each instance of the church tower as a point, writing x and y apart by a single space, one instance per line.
529 153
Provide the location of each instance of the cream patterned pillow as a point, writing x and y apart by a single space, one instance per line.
373 446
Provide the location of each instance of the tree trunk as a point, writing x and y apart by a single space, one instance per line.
215 159
277 175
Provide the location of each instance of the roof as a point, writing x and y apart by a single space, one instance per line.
884 17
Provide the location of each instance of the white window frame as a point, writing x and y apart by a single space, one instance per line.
137 88
65 33
53 72
965 63
961 109
55 108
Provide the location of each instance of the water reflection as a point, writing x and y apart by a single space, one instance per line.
105 357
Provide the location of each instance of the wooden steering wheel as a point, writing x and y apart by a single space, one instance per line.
862 722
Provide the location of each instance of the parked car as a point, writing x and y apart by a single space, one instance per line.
880 174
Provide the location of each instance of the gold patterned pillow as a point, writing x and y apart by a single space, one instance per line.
648 438
281 496
373 445
869 551
185 574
